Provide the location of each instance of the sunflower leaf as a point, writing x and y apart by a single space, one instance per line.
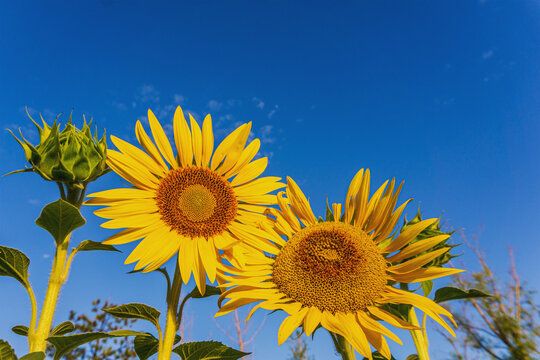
6 352
89 245
63 328
14 263
452 293
210 291
147 345
20 330
60 218
64 344
38 355
207 350
135 311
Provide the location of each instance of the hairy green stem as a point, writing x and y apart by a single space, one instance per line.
343 347
56 280
165 348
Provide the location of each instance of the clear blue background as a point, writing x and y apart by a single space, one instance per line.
441 94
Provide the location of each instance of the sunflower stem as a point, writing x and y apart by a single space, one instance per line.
343 347
37 338
419 339
165 348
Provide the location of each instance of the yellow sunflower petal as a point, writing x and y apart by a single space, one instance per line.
223 148
417 262
245 158
300 203
354 333
137 154
417 248
198 267
312 320
182 138
408 234
362 200
423 274
391 319
235 149
290 324
351 196
207 141
122 194
161 139
207 255
250 171
186 258
259 186
132 221
148 145
196 140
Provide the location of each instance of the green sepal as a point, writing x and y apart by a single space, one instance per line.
63 328
38 355
207 350
14 263
329 214
147 345
452 293
20 330
60 218
378 356
427 286
6 351
89 245
135 311
19 171
412 357
210 291
64 344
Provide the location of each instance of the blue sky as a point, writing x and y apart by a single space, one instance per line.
443 95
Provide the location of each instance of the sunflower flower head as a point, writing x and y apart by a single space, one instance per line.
71 156
339 273
194 204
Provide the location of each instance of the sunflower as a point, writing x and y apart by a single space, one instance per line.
188 203
339 273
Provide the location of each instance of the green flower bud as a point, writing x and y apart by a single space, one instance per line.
72 156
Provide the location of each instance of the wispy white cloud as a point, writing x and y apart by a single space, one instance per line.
214 105
487 54
258 102
273 111
119 105
265 134
147 94
178 99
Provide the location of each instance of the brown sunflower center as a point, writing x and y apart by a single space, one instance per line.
333 266
196 202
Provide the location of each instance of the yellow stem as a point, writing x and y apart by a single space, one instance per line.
420 341
57 278
166 345
33 318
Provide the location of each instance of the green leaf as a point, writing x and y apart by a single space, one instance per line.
65 344
135 311
89 245
60 218
207 350
452 293
39 355
412 357
210 291
20 330
14 263
147 345
63 328
427 286
6 352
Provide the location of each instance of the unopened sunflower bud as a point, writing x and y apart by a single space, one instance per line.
72 156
